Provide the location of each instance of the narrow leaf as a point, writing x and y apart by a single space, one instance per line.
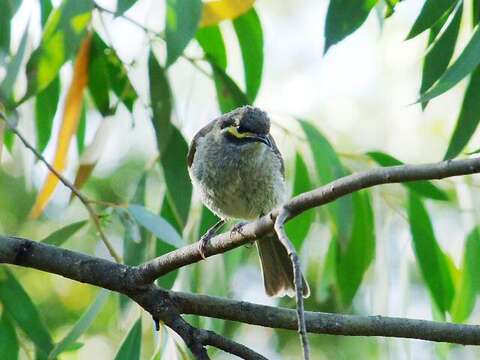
46 103
430 258
422 188
131 346
469 284
179 187
66 28
464 65
123 6
298 228
98 80
160 99
360 251
45 10
182 20
344 17
156 225
431 12
91 155
60 236
71 117
9 8
13 69
438 58
229 94
81 326
218 10
468 118
9 342
330 168
250 37
20 308
211 40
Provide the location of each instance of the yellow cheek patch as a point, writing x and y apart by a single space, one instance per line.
234 131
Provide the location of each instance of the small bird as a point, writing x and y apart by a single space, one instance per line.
238 170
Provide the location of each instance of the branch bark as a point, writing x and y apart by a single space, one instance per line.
161 303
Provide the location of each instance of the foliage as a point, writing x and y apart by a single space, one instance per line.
75 74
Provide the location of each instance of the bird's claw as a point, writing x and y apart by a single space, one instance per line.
203 242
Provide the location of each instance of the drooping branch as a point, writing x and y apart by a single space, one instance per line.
162 304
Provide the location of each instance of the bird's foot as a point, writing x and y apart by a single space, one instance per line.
203 242
237 228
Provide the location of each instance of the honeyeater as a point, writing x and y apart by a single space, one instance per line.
238 170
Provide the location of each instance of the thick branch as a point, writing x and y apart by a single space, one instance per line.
123 278
320 196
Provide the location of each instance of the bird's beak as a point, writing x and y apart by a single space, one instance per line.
262 138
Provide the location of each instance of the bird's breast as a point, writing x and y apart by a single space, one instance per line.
241 182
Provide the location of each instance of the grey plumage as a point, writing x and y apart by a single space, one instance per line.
242 177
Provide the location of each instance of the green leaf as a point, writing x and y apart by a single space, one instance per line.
161 102
45 10
431 259
330 168
9 8
432 11
469 283
9 342
475 12
20 308
360 251
46 103
422 188
131 346
156 225
98 79
250 37
468 118
65 29
207 220
58 237
119 81
298 228
82 124
229 94
464 65
13 68
344 17
438 58
182 20
211 40
81 326
123 6
179 187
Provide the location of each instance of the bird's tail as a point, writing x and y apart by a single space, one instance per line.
277 268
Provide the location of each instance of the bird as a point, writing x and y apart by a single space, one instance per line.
238 170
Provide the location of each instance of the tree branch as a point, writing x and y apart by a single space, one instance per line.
161 303
320 196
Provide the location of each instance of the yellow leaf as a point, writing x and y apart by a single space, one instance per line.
218 10
92 153
71 117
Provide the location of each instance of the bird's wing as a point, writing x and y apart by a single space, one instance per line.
278 154
193 145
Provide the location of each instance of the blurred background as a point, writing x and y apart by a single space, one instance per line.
360 95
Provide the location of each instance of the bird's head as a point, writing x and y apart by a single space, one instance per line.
246 124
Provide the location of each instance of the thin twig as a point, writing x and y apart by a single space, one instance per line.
297 276
85 201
